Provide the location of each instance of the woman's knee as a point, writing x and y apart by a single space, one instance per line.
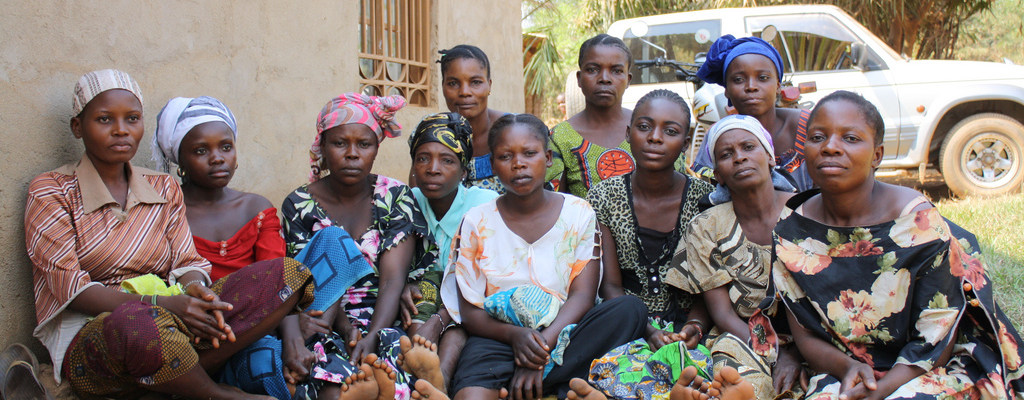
144 338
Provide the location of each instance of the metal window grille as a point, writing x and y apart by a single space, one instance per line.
394 41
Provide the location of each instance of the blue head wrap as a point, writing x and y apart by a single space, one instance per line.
727 48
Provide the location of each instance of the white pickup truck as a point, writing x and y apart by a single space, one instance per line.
964 117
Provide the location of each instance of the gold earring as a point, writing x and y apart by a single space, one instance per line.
181 172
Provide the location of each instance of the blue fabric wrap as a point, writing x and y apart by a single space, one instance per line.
336 263
727 48
258 369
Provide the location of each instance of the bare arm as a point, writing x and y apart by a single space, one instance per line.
611 283
719 306
580 300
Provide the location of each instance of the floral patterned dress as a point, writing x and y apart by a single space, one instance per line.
898 293
394 219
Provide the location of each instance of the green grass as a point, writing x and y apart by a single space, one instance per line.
997 223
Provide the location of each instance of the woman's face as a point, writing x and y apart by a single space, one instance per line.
348 152
840 148
465 86
752 84
658 133
110 126
438 170
520 159
207 155
604 76
741 162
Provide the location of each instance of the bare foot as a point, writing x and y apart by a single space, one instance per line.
383 375
360 385
689 386
728 385
419 357
582 390
424 390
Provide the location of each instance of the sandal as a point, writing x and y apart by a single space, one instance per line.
23 384
10 355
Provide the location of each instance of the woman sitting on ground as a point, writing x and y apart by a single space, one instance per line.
106 238
230 228
442 150
727 252
632 211
750 70
890 298
527 271
344 197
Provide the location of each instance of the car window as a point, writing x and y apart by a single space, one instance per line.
682 42
808 42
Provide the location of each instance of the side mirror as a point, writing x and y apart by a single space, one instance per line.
700 57
858 54
639 29
769 33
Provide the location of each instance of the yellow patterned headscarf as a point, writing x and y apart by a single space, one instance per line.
451 130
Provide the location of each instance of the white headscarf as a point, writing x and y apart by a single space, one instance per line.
750 124
178 117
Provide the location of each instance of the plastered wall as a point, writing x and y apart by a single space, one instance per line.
274 63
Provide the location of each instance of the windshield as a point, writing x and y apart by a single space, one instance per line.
808 42
682 41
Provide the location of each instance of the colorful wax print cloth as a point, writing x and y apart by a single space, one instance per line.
898 293
583 163
481 175
644 273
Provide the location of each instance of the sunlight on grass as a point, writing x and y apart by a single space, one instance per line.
997 223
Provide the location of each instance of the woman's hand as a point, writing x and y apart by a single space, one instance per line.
298 360
691 335
203 312
529 348
789 370
527 383
858 382
364 346
310 324
656 338
407 305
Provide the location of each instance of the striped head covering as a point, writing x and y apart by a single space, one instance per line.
377 113
451 130
93 83
178 117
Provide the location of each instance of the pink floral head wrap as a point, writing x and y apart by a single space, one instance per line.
377 113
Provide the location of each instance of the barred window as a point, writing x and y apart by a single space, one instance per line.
394 41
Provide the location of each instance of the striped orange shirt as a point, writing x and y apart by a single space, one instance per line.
77 236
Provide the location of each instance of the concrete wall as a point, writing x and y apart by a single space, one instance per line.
273 63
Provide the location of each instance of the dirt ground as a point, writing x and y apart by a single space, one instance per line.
934 186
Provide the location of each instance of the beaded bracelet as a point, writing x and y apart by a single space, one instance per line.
184 289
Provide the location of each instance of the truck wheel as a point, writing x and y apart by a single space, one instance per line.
983 155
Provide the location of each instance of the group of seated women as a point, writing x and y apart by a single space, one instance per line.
477 281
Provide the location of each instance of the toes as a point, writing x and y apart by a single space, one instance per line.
730 375
404 343
686 377
580 386
370 358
